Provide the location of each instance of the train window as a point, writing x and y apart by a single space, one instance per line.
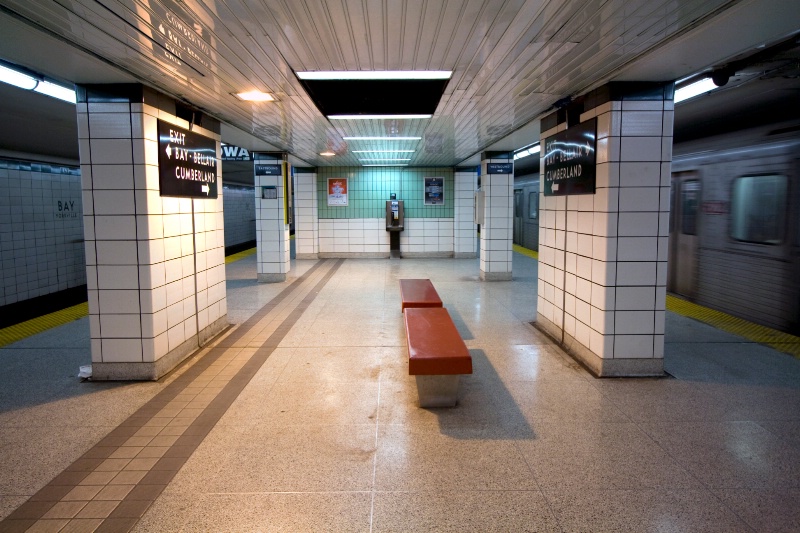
533 205
518 204
758 209
690 200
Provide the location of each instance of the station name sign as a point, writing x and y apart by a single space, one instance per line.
263 169
187 163
569 160
499 168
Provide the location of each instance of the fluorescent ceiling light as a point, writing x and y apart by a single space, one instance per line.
56 91
694 89
255 96
382 138
377 117
388 165
383 151
385 159
377 75
16 78
535 149
327 153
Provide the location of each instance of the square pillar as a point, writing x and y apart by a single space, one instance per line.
272 229
464 241
306 224
155 264
603 256
497 184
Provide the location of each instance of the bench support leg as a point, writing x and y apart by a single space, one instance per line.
437 391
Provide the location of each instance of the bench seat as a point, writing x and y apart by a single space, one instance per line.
418 293
437 355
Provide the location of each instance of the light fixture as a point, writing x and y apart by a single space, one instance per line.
328 153
383 151
693 89
17 78
387 165
529 150
381 138
31 82
386 159
377 75
255 96
378 117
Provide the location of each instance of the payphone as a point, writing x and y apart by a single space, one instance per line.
394 223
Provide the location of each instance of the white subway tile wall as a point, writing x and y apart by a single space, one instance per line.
41 230
464 231
155 265
272 232
602 257
240 214
497 229
306 223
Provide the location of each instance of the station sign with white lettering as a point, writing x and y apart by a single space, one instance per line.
262 169
499 168
230 152
569 160
187 163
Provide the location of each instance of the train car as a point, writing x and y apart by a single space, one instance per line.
734 242
526 211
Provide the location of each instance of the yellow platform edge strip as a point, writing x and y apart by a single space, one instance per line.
782 342
240 255
36 325
524 251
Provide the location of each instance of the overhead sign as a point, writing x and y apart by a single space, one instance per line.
187 163
569 160
262 169
235 153
499 168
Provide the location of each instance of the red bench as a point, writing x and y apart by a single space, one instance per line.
437 355
418 293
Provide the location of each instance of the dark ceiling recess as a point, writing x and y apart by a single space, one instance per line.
375 97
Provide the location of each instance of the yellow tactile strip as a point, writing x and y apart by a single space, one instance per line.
783 342
113 484
31 327
524 251
36 325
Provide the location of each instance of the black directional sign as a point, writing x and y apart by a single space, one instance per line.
569 160
187 163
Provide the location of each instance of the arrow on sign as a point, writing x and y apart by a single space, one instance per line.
169 151
205 188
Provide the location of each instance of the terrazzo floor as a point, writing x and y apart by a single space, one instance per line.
302 417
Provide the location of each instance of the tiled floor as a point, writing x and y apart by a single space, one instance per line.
303 418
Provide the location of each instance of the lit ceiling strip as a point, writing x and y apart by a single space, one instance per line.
376 75
378 117
381 138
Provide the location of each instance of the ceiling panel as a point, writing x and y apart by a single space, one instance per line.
511 59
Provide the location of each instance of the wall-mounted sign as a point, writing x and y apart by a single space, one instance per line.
569 160
229 152
272 169
270 192
337 191
187 163
499 168
434 191
181 39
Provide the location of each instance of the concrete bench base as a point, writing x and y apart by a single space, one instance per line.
438 391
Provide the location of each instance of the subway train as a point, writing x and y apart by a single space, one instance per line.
734 236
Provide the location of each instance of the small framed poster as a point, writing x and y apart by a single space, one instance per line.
337 191
434 191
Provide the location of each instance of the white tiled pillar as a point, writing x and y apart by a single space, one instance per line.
497 228
464 241
306 224
603 256
155 265
272 231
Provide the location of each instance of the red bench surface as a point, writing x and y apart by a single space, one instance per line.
418 293
434 345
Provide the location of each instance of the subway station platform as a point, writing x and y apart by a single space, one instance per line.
302 417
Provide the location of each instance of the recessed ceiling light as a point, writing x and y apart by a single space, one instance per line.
56 91
255 96
17 78
694 89
388 165
381 138
327 153
377 75
377 117
385 159
383 151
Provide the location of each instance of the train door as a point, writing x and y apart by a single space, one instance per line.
518 214
683 239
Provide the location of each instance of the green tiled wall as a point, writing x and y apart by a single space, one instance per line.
369 188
